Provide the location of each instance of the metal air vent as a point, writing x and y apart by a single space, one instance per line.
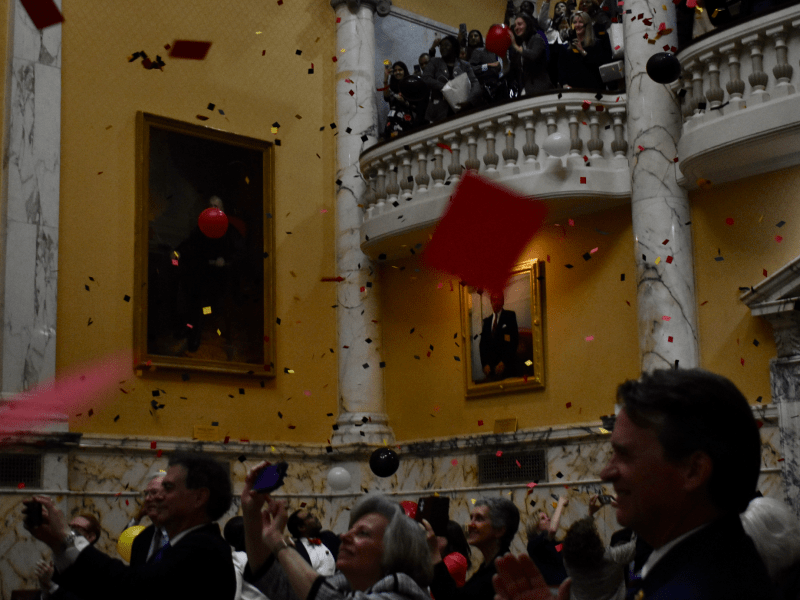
20 468
513 467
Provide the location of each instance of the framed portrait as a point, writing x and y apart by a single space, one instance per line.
204 295
504 349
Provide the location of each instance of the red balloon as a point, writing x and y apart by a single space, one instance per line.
498 39
213 222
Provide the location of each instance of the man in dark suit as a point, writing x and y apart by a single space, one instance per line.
686 462
196 563
499 341
319 548
147 544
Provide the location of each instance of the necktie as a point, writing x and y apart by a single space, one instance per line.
494 325
165 545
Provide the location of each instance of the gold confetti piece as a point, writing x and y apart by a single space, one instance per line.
274 130
272 448
219 332
206 310
604 430
290 371
386 62
247 180
342 50
474 500
258 33
761 218
715 13
658 259
528 363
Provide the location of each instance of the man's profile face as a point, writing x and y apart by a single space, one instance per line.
310 524
177 502
648 487
152 493
497 301
82 526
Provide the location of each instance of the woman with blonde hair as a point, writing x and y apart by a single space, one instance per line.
579 61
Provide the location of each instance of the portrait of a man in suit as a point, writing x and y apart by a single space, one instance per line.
499 341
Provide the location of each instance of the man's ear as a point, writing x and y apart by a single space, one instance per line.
202 496
698 469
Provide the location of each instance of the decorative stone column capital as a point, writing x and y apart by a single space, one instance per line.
382 7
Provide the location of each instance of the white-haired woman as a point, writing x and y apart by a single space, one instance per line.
775 530
369 566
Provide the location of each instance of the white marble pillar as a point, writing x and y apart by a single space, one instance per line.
362 413
661 215
29 203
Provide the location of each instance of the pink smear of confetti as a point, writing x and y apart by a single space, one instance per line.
778 239
571 223
454 462
531 485
76 392
665 318
593 250
307 392
589 338
499 453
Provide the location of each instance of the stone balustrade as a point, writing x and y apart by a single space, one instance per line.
410 179
740 106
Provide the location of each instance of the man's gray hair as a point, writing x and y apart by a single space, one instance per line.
405 545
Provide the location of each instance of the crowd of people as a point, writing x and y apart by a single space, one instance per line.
684 468
565 51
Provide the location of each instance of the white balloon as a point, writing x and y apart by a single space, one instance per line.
339 479
556 144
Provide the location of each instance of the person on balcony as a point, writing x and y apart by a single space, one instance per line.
401 113
441 70
527 58
485 65
579 62
551 26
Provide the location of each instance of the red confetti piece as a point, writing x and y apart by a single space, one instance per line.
548 258
363 289
280 2
742 361
559 547
669 260
227 439
569 404
665 318
765 272
480 423
729 221
153 445
669 339
127 502
641 148
20 485
778 239
675 159
532 485
352 93
190 49
43 13
704 303
454 462
338 19
583 179
586 104
665 242
445 147
466 246
499 453
759 423
519 464
334 59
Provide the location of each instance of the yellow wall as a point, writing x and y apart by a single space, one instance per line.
101 93
749 247
477 15
587 300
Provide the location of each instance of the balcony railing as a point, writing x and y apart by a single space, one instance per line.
741 109
411 179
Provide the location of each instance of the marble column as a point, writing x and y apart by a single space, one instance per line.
29 202
661 213
362 414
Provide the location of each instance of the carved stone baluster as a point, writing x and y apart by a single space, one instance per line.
491 158
783 70
530 149
454 141
369 197
438 173
735 86
406 181
686 102
619 146
422 178
758 78
472 163
551 114
715 93
595 144
392 188
575 116
380 187
698 99
510 153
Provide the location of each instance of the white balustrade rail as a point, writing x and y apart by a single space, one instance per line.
739 100
410 179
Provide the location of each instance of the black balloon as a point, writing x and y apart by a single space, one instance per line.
384 462
413 88
664 67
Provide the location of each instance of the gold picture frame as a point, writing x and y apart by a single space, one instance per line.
514 345
203 301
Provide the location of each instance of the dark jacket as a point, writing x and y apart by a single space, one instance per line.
529 69
500 346
436 75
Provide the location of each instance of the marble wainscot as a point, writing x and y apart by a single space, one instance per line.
105 476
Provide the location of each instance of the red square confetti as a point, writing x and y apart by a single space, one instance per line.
778 239
334 59
43 13
159 453
669 260
669 339
338 19
21 485
483 231
729 221
352 93
742 361
583 180
153 445
765 272
665 242
586 104
480 423
499 453
569 404
227 439
189 49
